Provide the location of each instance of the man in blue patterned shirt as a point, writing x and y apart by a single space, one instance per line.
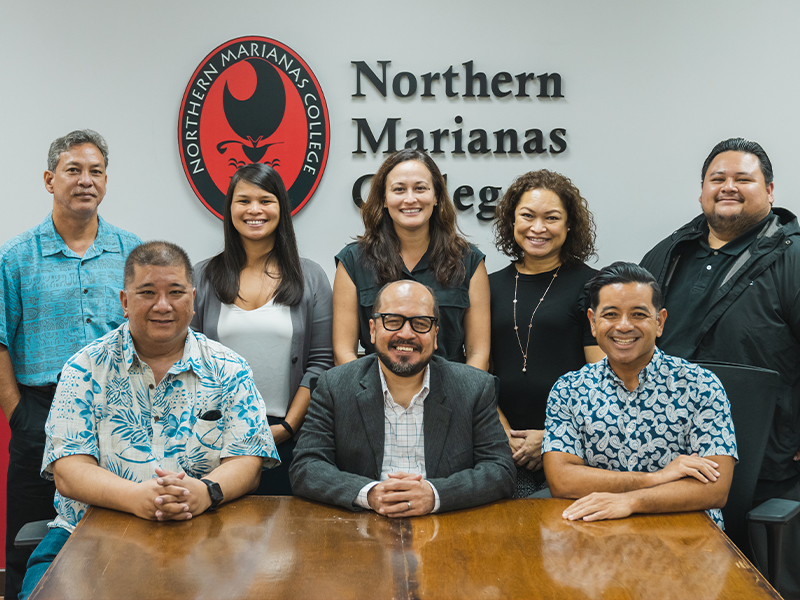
153 418
60 282
639 431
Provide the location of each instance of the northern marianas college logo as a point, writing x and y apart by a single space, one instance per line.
253 99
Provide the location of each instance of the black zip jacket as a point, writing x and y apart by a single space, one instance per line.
753 319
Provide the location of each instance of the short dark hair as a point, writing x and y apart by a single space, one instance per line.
376 305
158 254
75 138
622 272
741 145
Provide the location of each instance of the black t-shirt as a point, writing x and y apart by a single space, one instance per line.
560 332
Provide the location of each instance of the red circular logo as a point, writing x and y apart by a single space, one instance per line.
253 99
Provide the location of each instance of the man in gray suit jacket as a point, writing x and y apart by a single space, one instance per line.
403 432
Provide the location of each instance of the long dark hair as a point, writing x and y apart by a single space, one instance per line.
223 270
380 245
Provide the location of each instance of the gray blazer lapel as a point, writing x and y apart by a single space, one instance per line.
436 421
370 405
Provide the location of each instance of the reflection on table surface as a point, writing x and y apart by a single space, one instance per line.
282 547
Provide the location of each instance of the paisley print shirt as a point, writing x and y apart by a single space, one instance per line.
677 408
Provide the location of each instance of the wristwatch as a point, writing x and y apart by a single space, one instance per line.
215 492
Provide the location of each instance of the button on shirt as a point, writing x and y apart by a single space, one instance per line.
697 283
54 301
108 406
677 408
403 438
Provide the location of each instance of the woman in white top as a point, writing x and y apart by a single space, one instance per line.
261 299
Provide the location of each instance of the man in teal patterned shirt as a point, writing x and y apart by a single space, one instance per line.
153 418
59 284
639 431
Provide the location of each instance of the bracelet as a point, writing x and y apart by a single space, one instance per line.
288 428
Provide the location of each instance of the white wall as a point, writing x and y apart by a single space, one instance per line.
649 88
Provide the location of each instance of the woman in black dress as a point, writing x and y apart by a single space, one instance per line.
539 325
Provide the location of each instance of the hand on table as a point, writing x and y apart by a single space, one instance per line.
527 452
797 455
402 495
599 506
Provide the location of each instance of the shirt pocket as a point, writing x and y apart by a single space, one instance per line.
453 303
366 297
202 452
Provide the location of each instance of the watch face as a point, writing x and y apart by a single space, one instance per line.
215 493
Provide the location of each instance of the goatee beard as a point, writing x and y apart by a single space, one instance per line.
402 369
731 226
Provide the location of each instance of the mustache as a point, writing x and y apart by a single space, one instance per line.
411 344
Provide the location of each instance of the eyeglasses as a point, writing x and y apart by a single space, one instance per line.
395 322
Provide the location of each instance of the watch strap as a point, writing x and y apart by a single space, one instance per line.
214 492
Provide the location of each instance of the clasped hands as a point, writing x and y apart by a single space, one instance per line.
402 495
171 497
526 447
605 505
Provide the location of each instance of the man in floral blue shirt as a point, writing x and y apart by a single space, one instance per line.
639 431
153 418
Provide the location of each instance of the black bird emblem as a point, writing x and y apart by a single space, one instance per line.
259 116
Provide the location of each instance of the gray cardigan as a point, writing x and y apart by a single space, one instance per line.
312 319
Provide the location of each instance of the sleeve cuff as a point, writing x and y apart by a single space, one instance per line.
436 503
361 500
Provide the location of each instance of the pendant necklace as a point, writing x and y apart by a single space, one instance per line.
530 325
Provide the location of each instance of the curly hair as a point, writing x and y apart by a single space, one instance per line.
380 245
580 243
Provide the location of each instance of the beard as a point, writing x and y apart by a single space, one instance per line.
732 226
402 368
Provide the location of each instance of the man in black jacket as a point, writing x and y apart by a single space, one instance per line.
731 280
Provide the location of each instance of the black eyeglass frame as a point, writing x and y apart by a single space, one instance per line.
431 320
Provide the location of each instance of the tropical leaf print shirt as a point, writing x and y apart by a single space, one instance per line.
109 406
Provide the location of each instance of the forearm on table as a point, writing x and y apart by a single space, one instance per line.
682 495
688 493
9 392
237 475
79 477
568 479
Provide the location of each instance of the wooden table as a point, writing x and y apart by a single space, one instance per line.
281 547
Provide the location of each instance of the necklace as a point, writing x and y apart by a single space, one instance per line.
530 325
